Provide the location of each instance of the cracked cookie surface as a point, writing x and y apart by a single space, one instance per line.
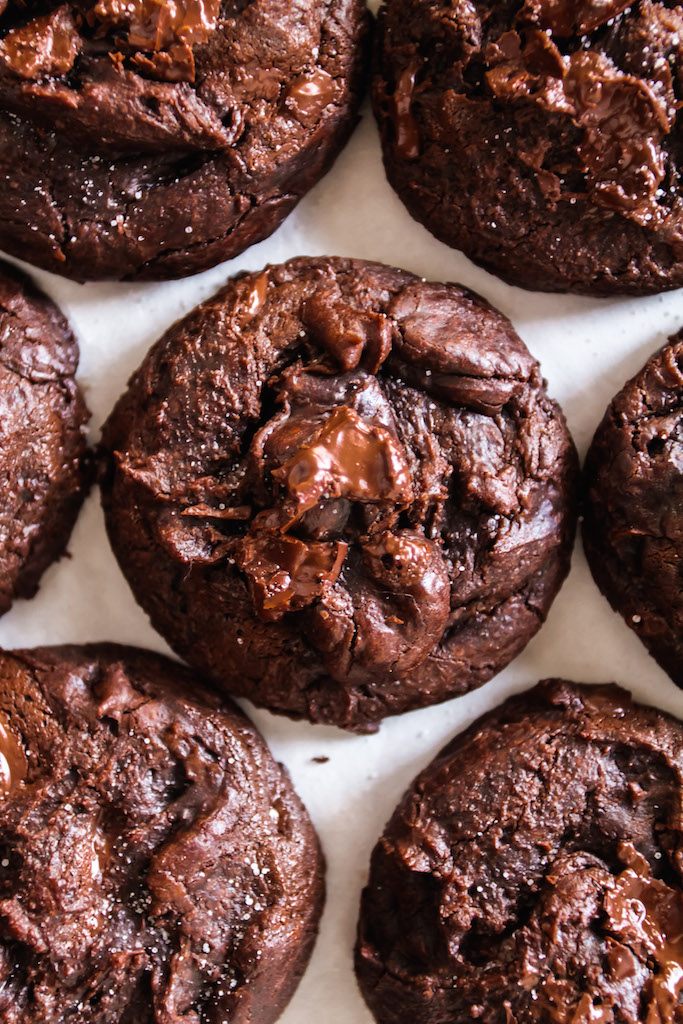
154 139
42 441
533 872
633 515
544 138
341 491
155 862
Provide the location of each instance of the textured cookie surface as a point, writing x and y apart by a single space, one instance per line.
633 522
42 444
534 871
341 491
542 137
154 138
155 862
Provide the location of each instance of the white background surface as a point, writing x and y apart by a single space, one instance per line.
587 349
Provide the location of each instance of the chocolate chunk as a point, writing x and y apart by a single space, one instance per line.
13 763
42 441
148 25
341 491
309 95
567 18
542 139
156 138
518 881
347 458
155 862
633 526
285 574
405 126
46 46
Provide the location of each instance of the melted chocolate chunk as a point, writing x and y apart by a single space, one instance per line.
13 764
532 873
405 125
347 459
151 27
257 296
162 33
621 115
308 95
624 126
286 574
365 505
543 141
155 862
46 46
646 916
567 18
633 483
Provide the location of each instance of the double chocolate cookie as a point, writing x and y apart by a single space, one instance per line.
534 871
155 862
42 443
633 522
154 138
341 491
544 138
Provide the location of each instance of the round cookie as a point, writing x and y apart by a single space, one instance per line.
153 139
341 491
42 440
155 862
533 871
633 508
542 137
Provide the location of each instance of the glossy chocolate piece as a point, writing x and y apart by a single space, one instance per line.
13 763
169 31
566 18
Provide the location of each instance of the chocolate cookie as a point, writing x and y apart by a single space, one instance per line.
155 862
544 138
341 491
153 138
42 441
633 522
534 871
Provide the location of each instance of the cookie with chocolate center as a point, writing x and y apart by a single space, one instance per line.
155 138
533 872
341 491
43 415
633 522
541 137
155 862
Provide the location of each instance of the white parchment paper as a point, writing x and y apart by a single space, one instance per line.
587 349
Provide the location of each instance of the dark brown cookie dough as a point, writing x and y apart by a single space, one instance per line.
42 444
154 138
155 862
341 491
534 871
633 514
544 138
